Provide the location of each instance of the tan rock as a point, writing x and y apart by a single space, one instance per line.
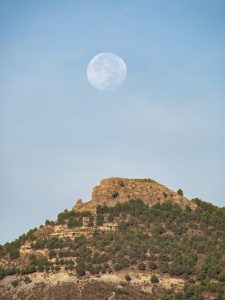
118 190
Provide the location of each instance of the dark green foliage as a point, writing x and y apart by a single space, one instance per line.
47 222
13 248
128 278
101 209
175 254
73 218
180 192
30 235
118 267
2 252
141 266
99 220
27 279
182 242
10 271
221 277
2 273
39 244
80 269
28 270
14 253
80 241
15 283
41 263
75 222
115 195
154 279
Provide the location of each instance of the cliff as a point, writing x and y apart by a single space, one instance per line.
118 190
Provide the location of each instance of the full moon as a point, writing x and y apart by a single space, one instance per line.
106 71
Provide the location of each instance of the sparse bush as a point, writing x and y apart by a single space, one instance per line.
47 222
221 277
14 253
127 277
27 279
28 270
2 273
80 269
39 244
115 195
15 283
180 192
118 267
154 279
99 220
141 266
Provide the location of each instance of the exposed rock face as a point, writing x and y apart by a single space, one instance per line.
118 190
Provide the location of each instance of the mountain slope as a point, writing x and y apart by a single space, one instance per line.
164 247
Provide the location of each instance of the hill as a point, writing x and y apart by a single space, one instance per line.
135 239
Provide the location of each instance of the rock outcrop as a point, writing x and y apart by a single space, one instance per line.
118 190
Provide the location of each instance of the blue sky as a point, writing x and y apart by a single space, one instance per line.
60 136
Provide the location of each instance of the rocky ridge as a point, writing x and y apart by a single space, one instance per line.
118 190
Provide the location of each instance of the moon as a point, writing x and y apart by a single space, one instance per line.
106 71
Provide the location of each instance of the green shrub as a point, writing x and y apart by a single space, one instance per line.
47 222
141 266
39 244
27 279
118 267
221 277
127 277
99 220
180 192
80 269
15 283
115 195
154 279
28 270
75 222
14 253
2 273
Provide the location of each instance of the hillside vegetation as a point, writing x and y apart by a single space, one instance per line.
161 243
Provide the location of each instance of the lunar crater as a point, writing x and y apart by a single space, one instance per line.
106 71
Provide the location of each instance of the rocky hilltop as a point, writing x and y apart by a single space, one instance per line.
135 240
118 190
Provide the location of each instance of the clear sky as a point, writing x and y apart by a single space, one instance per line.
60 136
